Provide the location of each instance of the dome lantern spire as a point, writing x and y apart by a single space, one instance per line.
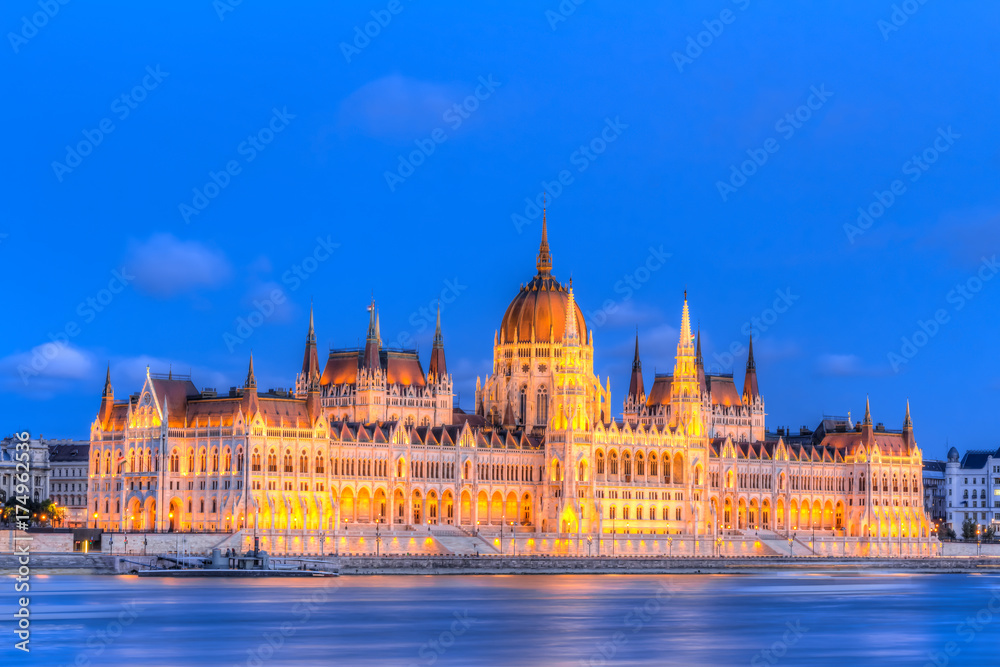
544 262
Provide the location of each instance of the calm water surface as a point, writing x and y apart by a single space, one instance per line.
800 618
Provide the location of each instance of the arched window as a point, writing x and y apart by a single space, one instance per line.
522 405
202 461
272 461
600 462
652 464
227 460
409 420
175 462
627 464
399 468
613 462
215 460
542 406
467 471
131 461
288 461
666 468
612 512
640 465
304 462
320 469
583 472
255 461
190 467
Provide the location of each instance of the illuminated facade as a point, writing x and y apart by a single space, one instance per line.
373 438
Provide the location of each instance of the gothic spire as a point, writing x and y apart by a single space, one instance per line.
373 343
251 378
438 368
907 422
750 390
699 364
310 360
636 385
868 413
544 262
684 345
571 336
109 391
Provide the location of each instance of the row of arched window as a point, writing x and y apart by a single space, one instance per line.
661 467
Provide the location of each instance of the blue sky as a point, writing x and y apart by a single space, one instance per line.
225 159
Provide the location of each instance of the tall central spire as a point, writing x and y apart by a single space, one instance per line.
544 262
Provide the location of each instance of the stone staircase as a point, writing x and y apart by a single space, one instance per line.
779 544
454 540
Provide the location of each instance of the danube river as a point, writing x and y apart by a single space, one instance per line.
799 618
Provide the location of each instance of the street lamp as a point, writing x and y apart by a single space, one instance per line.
590 542
513 539
791 545
612 535
670 547
501 533
378 536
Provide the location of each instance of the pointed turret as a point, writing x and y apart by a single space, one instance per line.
508 415
750 390
571 335
373 342
251 382
544 262
310 360
107 399
867 430
438 368
700 365
684 344
908 429
250 401
636 386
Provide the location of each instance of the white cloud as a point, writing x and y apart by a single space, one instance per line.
846 365
397 108
165 266
45 370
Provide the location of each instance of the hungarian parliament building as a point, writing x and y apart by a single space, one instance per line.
371 438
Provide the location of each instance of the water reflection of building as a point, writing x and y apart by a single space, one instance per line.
372 437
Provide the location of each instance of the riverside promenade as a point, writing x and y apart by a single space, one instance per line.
96 563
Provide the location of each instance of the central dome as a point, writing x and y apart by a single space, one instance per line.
541 304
